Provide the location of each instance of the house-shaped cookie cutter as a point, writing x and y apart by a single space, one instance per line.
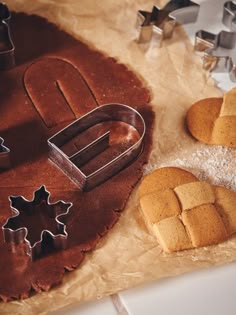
7 48
107 112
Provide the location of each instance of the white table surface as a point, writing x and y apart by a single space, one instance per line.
206 292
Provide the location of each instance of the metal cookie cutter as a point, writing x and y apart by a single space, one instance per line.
70 165
15 232
207 43
160 23
229 15
4 156
7 48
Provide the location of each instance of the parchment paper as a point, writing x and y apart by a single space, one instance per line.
129 254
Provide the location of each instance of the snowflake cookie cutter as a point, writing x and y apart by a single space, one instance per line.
4 156
23 210
70 165
160 23
7 50
207 43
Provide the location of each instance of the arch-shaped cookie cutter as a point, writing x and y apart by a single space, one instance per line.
107 112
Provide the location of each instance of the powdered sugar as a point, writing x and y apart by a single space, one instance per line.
215 164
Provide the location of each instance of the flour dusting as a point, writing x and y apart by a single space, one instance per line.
215 164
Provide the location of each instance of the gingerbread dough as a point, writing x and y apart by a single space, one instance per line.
56 80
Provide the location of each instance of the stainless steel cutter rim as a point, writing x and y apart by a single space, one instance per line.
8 52
224 39
113 160
152 26
229 15
16 213
211 43
3 148
137 144
185 12
4 155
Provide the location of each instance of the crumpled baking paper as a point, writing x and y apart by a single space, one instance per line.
129 255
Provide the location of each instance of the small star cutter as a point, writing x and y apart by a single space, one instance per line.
4 156
206 43
159 24
16 235
7 48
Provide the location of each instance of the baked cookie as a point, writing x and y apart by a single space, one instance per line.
184 212
213 120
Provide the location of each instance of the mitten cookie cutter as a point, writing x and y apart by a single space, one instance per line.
207 43
7 50
107 112
160 23
4 156
17 235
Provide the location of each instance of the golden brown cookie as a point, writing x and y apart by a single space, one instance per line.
194 194
163 178
226 206
172 235
184 212
204 225
159 205
213 120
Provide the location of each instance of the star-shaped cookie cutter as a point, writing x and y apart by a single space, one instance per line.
7 48
70 165
4 156
160 23
207 43
23 209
